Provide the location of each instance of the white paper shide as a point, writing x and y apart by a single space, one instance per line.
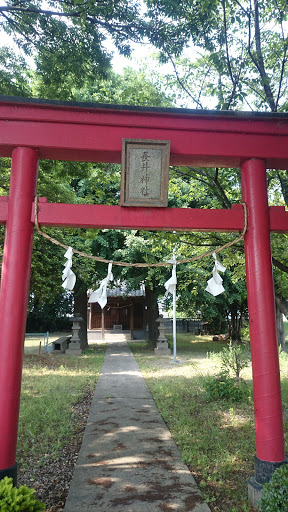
170 285
100 295
68 276
214 285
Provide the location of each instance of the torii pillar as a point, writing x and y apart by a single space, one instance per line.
14 294
262 322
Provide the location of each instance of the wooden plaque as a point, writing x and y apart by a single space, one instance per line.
145 172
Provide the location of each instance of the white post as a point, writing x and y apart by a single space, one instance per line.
174 312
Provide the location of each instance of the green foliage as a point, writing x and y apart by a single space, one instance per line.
5 167
283 356
227 310
235 358
223 66
130 88
22 499
67 39
50 316
223 387
14 74
51 386
275 492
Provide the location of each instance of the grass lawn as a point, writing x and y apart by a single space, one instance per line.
216 438
51 387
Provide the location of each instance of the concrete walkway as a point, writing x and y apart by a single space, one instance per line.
128 461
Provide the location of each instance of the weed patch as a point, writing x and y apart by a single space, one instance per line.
52 385
223 387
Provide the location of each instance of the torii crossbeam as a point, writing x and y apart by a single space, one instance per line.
39 129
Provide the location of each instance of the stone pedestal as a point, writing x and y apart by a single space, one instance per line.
254 491
162 348
74 345
60 345
263 472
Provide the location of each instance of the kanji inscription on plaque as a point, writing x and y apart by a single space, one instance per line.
145 172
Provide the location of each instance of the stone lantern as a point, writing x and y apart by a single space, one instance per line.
162 348
74 345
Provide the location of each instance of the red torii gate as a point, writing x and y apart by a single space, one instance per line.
40 129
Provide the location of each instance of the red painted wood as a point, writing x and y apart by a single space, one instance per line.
99 216
155 219
240 122
260 293
95 134
14 294
278 219
3 209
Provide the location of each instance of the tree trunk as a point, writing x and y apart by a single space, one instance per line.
280 309
284 186
234 319
152 316
80 306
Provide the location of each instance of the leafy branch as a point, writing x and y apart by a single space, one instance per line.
182 85
257 56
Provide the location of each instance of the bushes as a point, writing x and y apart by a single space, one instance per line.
275 492
235 358
223 387
22 499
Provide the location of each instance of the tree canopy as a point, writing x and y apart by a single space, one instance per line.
68 37
236 51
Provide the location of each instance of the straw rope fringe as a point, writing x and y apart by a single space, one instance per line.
126 264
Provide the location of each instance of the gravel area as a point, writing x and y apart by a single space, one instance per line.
52 479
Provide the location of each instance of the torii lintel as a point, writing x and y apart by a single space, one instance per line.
152 219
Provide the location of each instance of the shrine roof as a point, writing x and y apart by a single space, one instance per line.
124 292
121 290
